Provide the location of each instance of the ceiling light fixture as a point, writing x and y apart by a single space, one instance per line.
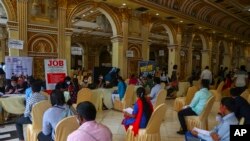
157 14
91 11
124 4
200 27
181 21
83 15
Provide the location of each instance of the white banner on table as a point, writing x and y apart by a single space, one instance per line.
16 66
55 71
16 44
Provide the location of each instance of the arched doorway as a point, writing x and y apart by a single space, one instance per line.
160 40
197 47
93 27
133 62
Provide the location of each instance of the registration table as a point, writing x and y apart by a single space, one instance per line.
105 94
13 104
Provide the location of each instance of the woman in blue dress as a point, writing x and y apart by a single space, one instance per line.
141 114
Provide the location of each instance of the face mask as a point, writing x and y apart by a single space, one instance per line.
13 84
85 81
68 82
100 77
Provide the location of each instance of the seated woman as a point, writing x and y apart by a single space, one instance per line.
141 113
53 115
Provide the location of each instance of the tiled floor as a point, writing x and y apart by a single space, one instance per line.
113 119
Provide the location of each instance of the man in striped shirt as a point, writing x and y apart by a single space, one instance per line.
26 118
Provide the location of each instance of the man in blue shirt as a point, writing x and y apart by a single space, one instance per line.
222 131
28 91
196 106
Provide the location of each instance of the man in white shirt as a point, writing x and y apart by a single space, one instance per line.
206 74
155 90
241 79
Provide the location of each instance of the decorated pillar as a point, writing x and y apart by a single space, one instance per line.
210 46
173 51
178 50
61 32
3 43
205 58
22 17
13 34
190 59
67 49
118 53
145 36
227 61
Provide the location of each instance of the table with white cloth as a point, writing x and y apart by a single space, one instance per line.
105 94
13 104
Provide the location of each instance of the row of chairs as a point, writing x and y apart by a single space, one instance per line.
61 133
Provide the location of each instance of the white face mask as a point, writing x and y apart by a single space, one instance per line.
68 82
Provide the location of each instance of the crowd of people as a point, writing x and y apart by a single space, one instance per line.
231 110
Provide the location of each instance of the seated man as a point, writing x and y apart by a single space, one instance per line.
242 107
53 115
222 131
13 87
155 90
89 129
26 118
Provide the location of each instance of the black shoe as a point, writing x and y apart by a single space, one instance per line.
181 132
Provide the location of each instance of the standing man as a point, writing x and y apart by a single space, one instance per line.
207 74
241 79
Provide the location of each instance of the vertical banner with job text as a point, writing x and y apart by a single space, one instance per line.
55 71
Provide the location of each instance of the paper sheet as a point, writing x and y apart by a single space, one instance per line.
128 110
201 131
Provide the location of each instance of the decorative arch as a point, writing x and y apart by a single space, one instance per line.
168 27
104 9
203 40
136 50
10 10
46 43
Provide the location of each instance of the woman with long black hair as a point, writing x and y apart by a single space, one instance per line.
141 114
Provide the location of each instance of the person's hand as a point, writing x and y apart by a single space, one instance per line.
215 136
195 133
